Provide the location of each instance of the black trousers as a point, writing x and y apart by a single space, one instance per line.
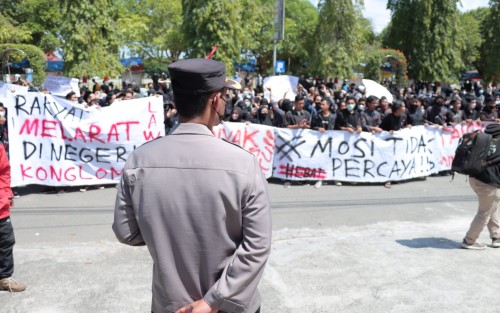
7 242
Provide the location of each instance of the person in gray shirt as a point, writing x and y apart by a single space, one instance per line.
370 117
298 117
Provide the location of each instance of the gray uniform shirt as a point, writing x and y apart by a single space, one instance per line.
202 208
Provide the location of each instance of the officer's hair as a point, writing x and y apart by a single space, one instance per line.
190 106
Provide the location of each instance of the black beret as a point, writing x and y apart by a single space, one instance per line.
199 76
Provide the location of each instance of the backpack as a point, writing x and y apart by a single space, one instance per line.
472 151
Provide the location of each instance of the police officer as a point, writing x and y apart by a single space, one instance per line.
198 203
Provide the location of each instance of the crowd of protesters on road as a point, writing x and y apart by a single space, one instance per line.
322 106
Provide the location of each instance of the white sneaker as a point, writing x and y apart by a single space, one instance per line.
474 246
318 184
338 184
287 184
495 243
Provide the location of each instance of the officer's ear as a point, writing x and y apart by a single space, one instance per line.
214 100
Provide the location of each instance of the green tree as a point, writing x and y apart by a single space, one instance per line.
489 64
152 28
258 23
40 17
337 48
427 32
89 45
470 24
209 23
11 33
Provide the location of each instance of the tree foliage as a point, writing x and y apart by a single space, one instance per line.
209 23
40 17
337 40
301 18
10 33
395 58
89 45
470 33
258 35
489 64
152 28
427 31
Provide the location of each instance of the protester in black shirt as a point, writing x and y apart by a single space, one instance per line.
313 107
416 113
397 119
325 120
171 117
238 116
437 112
349 119
263 117
384 107
470 113
489 112
361 105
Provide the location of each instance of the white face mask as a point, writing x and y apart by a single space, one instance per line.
2 114
361 107
350 107
472 106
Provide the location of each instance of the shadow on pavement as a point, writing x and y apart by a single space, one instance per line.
429 242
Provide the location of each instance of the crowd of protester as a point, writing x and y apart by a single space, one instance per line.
323 106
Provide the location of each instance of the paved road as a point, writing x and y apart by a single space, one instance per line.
351 248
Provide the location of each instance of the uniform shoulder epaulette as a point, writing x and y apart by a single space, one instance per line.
235 144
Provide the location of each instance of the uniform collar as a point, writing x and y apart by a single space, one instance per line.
191 128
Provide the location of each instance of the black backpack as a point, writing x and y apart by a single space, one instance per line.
472 151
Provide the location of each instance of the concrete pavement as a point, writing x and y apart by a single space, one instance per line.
352 248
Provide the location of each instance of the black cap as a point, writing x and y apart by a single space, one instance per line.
199 76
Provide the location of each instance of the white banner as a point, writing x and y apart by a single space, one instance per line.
7 89
58 143
282 86
61 86
338 155
255 138
446 142
53 142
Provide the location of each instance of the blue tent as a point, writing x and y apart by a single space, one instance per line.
244 67
23 64
131 62
55 66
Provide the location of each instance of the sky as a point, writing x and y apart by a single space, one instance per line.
376 11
